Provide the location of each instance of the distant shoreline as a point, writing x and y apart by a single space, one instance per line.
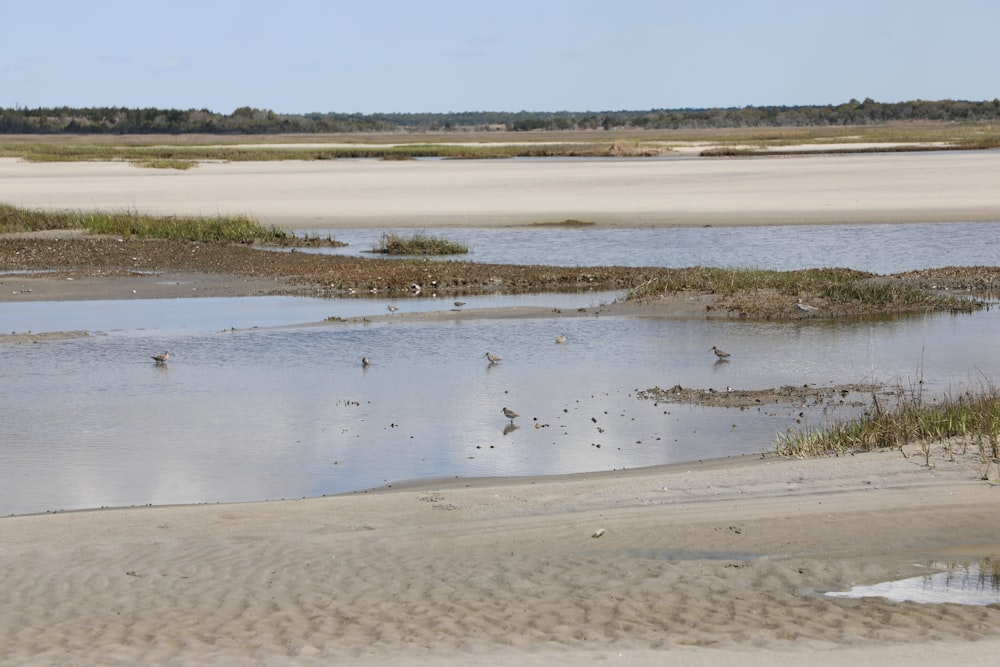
945 186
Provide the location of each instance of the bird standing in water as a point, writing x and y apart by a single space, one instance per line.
492 357
561 338
366 362
391 308
160 359
719 353
510 414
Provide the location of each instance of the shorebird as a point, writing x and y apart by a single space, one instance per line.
459 304
510 414
492 357
161 358
719 353
366 362
561 338
391 308
803 307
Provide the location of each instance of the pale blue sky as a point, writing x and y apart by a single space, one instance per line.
299 56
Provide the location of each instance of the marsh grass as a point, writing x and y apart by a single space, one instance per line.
417 244
222 229
969 419
833 286
166 164
186 156
175 151
184 151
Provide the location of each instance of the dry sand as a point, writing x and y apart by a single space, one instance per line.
887 187
722 562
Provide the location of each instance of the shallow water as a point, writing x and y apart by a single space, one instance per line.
283 412
956 583
254 406
882 249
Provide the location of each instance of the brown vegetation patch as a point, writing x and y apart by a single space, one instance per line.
273 272
973 278
743 398
296 272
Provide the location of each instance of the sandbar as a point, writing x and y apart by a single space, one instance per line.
933 186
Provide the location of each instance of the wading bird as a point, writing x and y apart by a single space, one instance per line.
160 358
719 353
510 414
492 357
804 307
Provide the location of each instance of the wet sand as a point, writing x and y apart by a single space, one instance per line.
717 563
722 562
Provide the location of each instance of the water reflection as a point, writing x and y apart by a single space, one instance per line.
251 414
957 583
252 407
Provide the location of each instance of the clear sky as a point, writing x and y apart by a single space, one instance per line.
368 56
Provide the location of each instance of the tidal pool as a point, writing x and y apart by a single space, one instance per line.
288 411
955 583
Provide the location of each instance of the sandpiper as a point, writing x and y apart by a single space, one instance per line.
161 358
492 357
803 307
391 308
459 304
561 338
719 353
510 414
366 362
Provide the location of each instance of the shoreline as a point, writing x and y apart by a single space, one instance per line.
716 562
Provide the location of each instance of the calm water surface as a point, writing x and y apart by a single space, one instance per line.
882 249
254 404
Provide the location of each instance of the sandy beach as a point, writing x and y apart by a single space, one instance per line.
807 189
722 562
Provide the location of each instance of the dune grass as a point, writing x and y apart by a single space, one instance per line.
417 244
221 229
971 418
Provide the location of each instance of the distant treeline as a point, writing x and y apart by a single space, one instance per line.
247 120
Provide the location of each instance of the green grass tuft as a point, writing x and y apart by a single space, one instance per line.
221 229
418 244
970 418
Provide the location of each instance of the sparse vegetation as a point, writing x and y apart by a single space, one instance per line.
970 419
624 136
746 291
418 244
